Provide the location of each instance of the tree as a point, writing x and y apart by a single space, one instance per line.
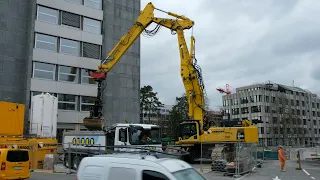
178 112
149 102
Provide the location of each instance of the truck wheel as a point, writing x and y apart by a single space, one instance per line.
66 161
76 162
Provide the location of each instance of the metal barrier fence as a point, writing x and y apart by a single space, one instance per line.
69 156
235 159
229 158
246 158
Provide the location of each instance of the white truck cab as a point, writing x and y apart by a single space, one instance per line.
126 166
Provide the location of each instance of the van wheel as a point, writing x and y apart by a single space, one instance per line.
76 162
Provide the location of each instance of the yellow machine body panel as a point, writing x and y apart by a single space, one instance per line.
38 147
247 134
12 119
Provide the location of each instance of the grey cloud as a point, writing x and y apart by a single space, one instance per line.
237 42
315 74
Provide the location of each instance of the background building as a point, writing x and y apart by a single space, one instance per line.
49 46
162 119
288 115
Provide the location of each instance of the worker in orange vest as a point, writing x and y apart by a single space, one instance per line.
282 158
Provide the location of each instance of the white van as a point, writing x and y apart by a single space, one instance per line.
136 167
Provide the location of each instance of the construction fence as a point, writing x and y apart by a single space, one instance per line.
228 158
236 158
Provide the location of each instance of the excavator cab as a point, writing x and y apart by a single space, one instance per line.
189 130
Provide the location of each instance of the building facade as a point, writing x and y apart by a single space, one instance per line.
285 115
50 46
162 119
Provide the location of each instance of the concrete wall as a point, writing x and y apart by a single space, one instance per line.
16 27
121 96
305 153
14 34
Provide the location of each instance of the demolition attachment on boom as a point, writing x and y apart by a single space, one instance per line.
95 121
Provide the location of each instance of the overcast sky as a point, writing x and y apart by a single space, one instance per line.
237 42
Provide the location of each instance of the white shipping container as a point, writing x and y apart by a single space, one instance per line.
43 115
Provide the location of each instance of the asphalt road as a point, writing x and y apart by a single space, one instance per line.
269 171
45 176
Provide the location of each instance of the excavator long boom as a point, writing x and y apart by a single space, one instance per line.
189 71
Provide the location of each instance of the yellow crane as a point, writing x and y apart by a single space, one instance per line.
192 133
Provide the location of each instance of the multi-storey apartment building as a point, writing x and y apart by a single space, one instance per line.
50 45
285 114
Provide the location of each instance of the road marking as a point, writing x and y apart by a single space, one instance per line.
306 172
242 177
312 177
245 174
276 178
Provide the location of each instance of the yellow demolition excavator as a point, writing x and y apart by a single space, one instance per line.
191 130
177 25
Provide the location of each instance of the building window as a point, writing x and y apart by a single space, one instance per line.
267 109
43 70
90 25
255 109
244 110
66 102
67 73
86 103
91 50
235 111
85 77
93 3
47 15
46 42
70 19
70 47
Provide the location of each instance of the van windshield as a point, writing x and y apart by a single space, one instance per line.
145 136
188 174
17 156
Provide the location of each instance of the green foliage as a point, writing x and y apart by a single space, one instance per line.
179 112
149 102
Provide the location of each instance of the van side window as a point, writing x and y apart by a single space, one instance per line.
153 175
119 173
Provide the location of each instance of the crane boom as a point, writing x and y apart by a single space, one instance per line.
189 70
